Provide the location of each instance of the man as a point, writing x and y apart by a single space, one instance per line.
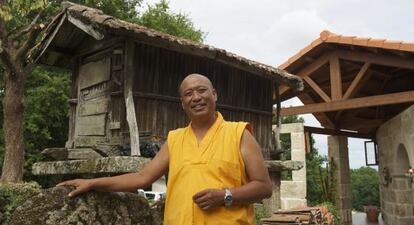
216 169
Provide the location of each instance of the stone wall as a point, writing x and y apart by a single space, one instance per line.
395 140
293 193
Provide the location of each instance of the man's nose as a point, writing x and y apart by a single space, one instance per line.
196 96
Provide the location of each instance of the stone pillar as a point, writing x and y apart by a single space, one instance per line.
273 203
293 193
338 152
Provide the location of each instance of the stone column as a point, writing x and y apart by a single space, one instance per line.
338 152
272 204
293 193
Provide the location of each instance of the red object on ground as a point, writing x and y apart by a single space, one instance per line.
372 213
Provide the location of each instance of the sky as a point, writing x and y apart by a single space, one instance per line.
271 31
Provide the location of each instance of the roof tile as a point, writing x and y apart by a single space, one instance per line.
329 37
395 45
333 38
345 40
325 35
377 43
360 41
408 46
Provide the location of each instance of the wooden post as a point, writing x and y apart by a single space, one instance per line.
336 80
273 203
129 98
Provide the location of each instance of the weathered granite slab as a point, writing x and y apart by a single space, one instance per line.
105 165
54 207
279 165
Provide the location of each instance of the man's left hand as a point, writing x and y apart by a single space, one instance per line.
209 198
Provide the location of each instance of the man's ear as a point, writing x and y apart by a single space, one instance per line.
215 95
182 104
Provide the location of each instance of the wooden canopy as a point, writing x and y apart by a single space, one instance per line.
352 83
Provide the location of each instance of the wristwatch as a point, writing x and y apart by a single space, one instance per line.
228 197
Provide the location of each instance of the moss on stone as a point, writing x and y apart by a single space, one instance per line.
13 195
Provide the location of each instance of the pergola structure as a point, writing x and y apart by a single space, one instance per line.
353 85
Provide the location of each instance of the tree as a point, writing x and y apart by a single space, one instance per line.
160 18
21 24
365 187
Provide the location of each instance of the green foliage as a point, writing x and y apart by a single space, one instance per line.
314 169
159 17
328 181
261 213
20 8
334 211
365 187
45 118
13 195
46 114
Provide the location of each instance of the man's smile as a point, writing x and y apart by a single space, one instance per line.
199 106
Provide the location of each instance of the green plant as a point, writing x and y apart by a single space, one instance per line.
328 181
334 211
13 195
261 213
365 187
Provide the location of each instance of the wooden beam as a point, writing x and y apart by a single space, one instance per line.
318 130
357 82
318 90
309 69
382 74
129 98
323 118
392 61
387 99
87 28
50 38
336 79
357 123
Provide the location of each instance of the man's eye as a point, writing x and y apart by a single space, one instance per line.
202 90
187 94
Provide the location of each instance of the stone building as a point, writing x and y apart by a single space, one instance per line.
363 88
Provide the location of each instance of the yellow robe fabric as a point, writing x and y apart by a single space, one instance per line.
215 163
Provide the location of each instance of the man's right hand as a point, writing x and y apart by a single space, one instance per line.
81 186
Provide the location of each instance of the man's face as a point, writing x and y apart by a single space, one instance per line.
198 97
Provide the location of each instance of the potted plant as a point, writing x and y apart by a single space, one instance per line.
372 212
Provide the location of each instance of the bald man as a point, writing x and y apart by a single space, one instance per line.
216 168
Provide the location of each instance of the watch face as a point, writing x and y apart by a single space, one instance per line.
228 198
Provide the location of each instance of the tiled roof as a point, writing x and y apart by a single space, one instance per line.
105 22
329 37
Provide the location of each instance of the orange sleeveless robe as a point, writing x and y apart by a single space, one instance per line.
215 163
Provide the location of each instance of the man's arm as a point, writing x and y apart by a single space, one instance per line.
127 182
258 187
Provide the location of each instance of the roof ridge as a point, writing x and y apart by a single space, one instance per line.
327 36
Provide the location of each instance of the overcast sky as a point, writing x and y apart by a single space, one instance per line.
271 31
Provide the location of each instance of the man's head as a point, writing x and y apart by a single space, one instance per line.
198 96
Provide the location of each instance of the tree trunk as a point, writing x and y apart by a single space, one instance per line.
13 127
